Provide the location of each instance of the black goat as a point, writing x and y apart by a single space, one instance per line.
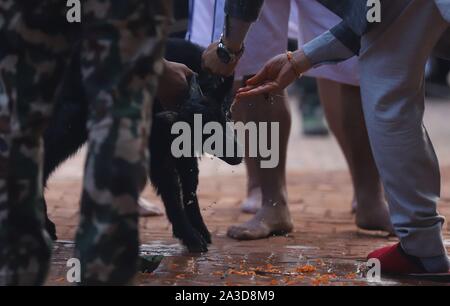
175 179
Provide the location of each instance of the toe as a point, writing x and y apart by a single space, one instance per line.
247 233
238 233
233 232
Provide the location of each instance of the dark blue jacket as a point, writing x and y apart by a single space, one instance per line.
352 12
354 24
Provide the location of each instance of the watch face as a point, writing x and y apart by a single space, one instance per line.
223 55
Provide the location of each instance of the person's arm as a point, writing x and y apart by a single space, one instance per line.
240 14
245 10
326 49
283 69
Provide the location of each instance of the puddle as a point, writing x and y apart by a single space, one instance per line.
156 248
301 247
64 244
159 248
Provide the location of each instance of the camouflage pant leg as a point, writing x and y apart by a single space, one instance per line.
124 43
33 52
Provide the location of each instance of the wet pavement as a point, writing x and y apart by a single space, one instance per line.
325 248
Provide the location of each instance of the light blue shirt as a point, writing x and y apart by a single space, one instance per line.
444 8
326 49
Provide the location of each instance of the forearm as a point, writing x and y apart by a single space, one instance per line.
235 32
245 10
240 14
326 49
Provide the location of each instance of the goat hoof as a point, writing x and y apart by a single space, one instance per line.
206 235
196 243
203 231
51 229
197 249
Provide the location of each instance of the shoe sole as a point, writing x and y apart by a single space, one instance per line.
431 277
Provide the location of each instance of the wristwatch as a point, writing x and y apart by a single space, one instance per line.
226 55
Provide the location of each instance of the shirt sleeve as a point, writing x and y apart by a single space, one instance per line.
326 49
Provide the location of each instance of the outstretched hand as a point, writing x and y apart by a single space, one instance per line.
276 75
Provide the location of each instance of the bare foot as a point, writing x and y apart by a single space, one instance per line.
269 220
252 204
374 215
148 209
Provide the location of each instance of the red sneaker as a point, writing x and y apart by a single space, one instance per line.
394 261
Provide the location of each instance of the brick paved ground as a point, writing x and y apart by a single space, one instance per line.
319 195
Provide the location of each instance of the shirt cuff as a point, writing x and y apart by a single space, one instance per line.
326 49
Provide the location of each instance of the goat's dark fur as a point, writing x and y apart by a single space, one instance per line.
175 179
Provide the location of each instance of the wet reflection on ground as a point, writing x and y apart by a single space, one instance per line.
238 264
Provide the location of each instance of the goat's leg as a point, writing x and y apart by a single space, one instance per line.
166 181
188 170
63 138
67 131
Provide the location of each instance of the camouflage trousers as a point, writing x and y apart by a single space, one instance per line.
121 43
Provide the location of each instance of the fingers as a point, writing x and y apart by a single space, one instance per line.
250 91
185 75
246 88
188 70
259 78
